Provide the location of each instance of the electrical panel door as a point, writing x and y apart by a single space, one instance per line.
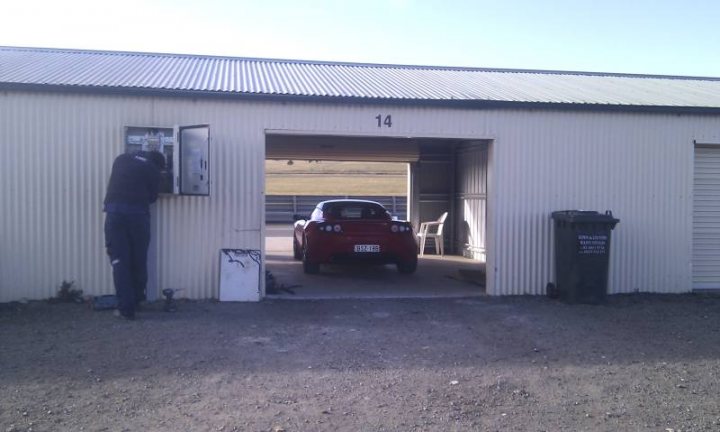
193 171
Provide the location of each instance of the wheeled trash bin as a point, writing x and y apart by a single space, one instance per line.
582 253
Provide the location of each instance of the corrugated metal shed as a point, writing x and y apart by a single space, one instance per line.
168 73
61 144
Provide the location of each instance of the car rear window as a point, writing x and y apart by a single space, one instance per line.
355 211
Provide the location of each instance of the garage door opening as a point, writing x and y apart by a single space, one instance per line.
437 176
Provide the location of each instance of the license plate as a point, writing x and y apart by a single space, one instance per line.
367 248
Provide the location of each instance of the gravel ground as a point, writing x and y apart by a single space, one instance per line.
639 363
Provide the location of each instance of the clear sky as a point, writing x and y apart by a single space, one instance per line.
679 37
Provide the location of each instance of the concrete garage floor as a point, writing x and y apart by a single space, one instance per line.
436 277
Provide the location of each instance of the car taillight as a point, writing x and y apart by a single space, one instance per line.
399 228
330 228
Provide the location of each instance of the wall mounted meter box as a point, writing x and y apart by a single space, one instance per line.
186 150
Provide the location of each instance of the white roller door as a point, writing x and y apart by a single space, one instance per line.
706 218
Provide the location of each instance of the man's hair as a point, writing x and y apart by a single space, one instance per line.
157 158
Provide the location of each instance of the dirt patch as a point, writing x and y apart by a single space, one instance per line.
638 363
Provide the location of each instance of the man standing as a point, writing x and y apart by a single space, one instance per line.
133 186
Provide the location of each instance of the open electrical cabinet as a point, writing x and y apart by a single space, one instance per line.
186 150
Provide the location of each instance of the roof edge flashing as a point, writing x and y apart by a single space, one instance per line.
451 103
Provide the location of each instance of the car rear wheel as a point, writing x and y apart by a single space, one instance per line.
308 267
407 267
297 252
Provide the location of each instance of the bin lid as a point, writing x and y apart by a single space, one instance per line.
584 216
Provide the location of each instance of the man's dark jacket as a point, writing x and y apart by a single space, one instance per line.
134 183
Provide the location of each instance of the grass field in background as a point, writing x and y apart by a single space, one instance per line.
335 178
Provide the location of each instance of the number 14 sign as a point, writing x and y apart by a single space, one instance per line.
384 120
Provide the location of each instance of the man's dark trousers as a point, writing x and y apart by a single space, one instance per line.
127 237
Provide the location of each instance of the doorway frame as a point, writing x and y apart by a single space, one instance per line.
490 217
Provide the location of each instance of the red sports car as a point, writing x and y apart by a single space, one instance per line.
351 231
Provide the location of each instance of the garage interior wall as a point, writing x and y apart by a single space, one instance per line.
451 176
432 186
471 172
59 149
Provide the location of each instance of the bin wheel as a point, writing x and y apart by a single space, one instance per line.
551 291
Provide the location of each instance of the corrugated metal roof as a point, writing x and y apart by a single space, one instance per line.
246 76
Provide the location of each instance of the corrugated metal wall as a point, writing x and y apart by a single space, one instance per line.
58 149
432 188
639 166
471 200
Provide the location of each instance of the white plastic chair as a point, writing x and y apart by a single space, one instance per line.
434 230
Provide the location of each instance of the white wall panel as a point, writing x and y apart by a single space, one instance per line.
58 149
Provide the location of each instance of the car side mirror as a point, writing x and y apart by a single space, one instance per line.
297 217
